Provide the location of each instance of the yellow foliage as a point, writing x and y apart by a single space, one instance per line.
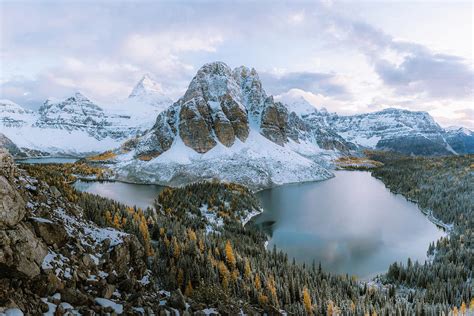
180 278
263 299
247 269
189 289
258 283
229 254
104 156
191 234
224 272
307 301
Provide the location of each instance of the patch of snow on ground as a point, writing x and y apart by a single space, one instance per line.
12 312
118 308
250 215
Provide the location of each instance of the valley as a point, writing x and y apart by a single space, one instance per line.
180 210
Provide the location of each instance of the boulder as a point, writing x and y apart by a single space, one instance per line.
51 233
21 252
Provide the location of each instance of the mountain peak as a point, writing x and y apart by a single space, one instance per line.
146 86
78 96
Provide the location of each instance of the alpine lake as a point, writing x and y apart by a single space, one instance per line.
350 223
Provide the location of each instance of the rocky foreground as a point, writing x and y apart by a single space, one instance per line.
54 261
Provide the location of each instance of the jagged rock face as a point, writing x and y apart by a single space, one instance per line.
195 126
21 252
212 105
12 205
159 139
274 122
210 111
236 116
252 91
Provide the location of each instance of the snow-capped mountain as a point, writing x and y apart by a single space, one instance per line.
404 131
143 105
78 126
13 115
460 139
225 126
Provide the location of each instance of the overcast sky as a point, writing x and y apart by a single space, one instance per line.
349 57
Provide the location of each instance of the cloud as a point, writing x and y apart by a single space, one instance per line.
416 70
318 83
102 48
436 75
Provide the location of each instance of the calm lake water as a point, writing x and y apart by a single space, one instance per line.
351 223
48 160
141 195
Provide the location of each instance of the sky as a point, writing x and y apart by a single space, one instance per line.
347 56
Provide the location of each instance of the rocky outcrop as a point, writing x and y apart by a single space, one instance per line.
274 123
12 205
21 252
49 251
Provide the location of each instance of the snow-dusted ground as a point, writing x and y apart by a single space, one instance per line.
257 163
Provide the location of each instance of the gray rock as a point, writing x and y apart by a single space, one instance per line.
21 252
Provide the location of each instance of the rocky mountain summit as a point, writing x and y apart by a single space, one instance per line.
226 126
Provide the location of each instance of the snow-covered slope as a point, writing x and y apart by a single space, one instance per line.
13 115
225 127
404 131
77 126
460 139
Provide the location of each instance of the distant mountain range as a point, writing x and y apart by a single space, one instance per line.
77 126
225 126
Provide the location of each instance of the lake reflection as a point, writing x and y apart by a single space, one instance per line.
42 160
351 224
141 195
